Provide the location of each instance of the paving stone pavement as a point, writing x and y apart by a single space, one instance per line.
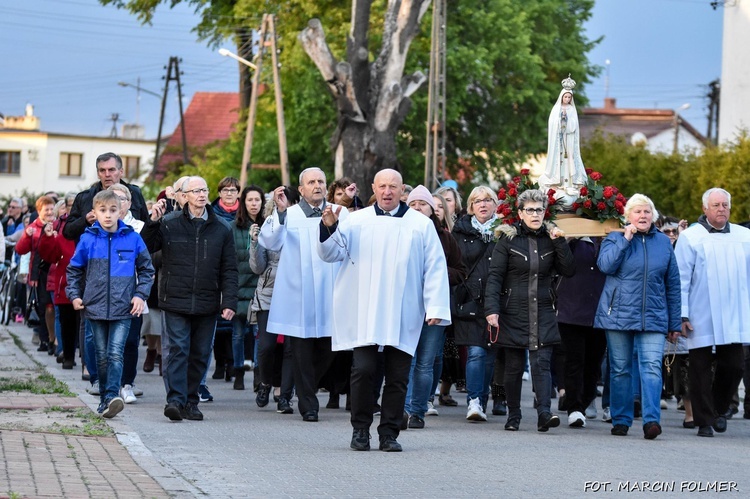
240 450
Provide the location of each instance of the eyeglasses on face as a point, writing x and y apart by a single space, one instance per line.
197 192
483 201
533 211
229 190
670 232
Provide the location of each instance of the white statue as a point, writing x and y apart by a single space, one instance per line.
565 170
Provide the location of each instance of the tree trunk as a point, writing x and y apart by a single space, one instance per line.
372 97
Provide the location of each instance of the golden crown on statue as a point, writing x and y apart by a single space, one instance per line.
569 83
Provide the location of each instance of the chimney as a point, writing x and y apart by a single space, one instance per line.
609 103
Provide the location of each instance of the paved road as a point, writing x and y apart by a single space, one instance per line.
240 450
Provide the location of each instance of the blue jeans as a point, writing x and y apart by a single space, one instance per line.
189 348
479 366
650 346
240 329
130 365
109 341
89 352
422 372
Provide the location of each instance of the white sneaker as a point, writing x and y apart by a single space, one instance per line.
431 411
663 405
475 412
606 416
93 389
136 391
591 410
576 420
526 376
126 392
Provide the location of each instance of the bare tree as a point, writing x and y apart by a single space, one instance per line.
372 97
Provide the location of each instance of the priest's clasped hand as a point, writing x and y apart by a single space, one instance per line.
330 217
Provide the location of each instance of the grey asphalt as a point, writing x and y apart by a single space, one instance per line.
240 450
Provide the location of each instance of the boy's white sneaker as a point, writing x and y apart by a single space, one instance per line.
114 406
475 412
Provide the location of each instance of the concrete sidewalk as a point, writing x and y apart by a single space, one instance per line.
40 463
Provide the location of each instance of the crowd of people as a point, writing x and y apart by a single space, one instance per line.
392 302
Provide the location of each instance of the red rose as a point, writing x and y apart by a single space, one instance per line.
511 184
525 171
551 192
501 195
587 204
512 192
620 198
601 206
576 206
547 214
506 210
517 180
584 191
608 192
596 176
589 171
619 207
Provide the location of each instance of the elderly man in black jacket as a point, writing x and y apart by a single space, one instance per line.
109 170
198 280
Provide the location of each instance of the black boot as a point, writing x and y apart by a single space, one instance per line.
219 370
239 378
228 369
499 406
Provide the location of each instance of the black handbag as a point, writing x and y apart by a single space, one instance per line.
32 317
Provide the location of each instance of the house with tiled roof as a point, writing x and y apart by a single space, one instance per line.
209 118
658 128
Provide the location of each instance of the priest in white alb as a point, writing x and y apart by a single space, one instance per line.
301 304
393 278
713 256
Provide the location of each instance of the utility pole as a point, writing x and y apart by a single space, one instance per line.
714 97
173 74
267 40
434 168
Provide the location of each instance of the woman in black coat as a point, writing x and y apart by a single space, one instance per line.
520 300
476 240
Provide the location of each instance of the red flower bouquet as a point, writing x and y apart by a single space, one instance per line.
598 202
507 209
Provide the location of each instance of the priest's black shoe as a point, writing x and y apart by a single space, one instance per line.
360 439
388 444
720 424
705 431
310 416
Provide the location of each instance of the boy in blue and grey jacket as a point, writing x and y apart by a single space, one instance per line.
109 278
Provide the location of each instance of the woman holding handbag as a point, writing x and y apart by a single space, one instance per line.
520 300
476 240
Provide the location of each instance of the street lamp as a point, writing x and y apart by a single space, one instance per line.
138 89
237 58
677 121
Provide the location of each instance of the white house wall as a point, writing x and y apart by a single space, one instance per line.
735 71
40 160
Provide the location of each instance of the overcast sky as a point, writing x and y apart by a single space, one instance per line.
66 56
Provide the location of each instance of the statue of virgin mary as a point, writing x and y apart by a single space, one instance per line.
565 168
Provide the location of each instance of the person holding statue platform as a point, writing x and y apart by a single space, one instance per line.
393 279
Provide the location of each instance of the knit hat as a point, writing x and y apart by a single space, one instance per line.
421 193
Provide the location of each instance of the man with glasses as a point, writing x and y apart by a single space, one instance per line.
109 170
12 221
199 269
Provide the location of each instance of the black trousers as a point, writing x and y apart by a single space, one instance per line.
584 349
364 368
311 358
515 364
270 367
711 395
69 330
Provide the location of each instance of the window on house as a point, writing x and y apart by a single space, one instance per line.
10 162
70 164
132 165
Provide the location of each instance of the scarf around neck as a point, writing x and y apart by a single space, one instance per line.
485 229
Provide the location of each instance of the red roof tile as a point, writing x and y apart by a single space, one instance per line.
211 116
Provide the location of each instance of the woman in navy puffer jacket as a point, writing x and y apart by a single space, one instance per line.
640 306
